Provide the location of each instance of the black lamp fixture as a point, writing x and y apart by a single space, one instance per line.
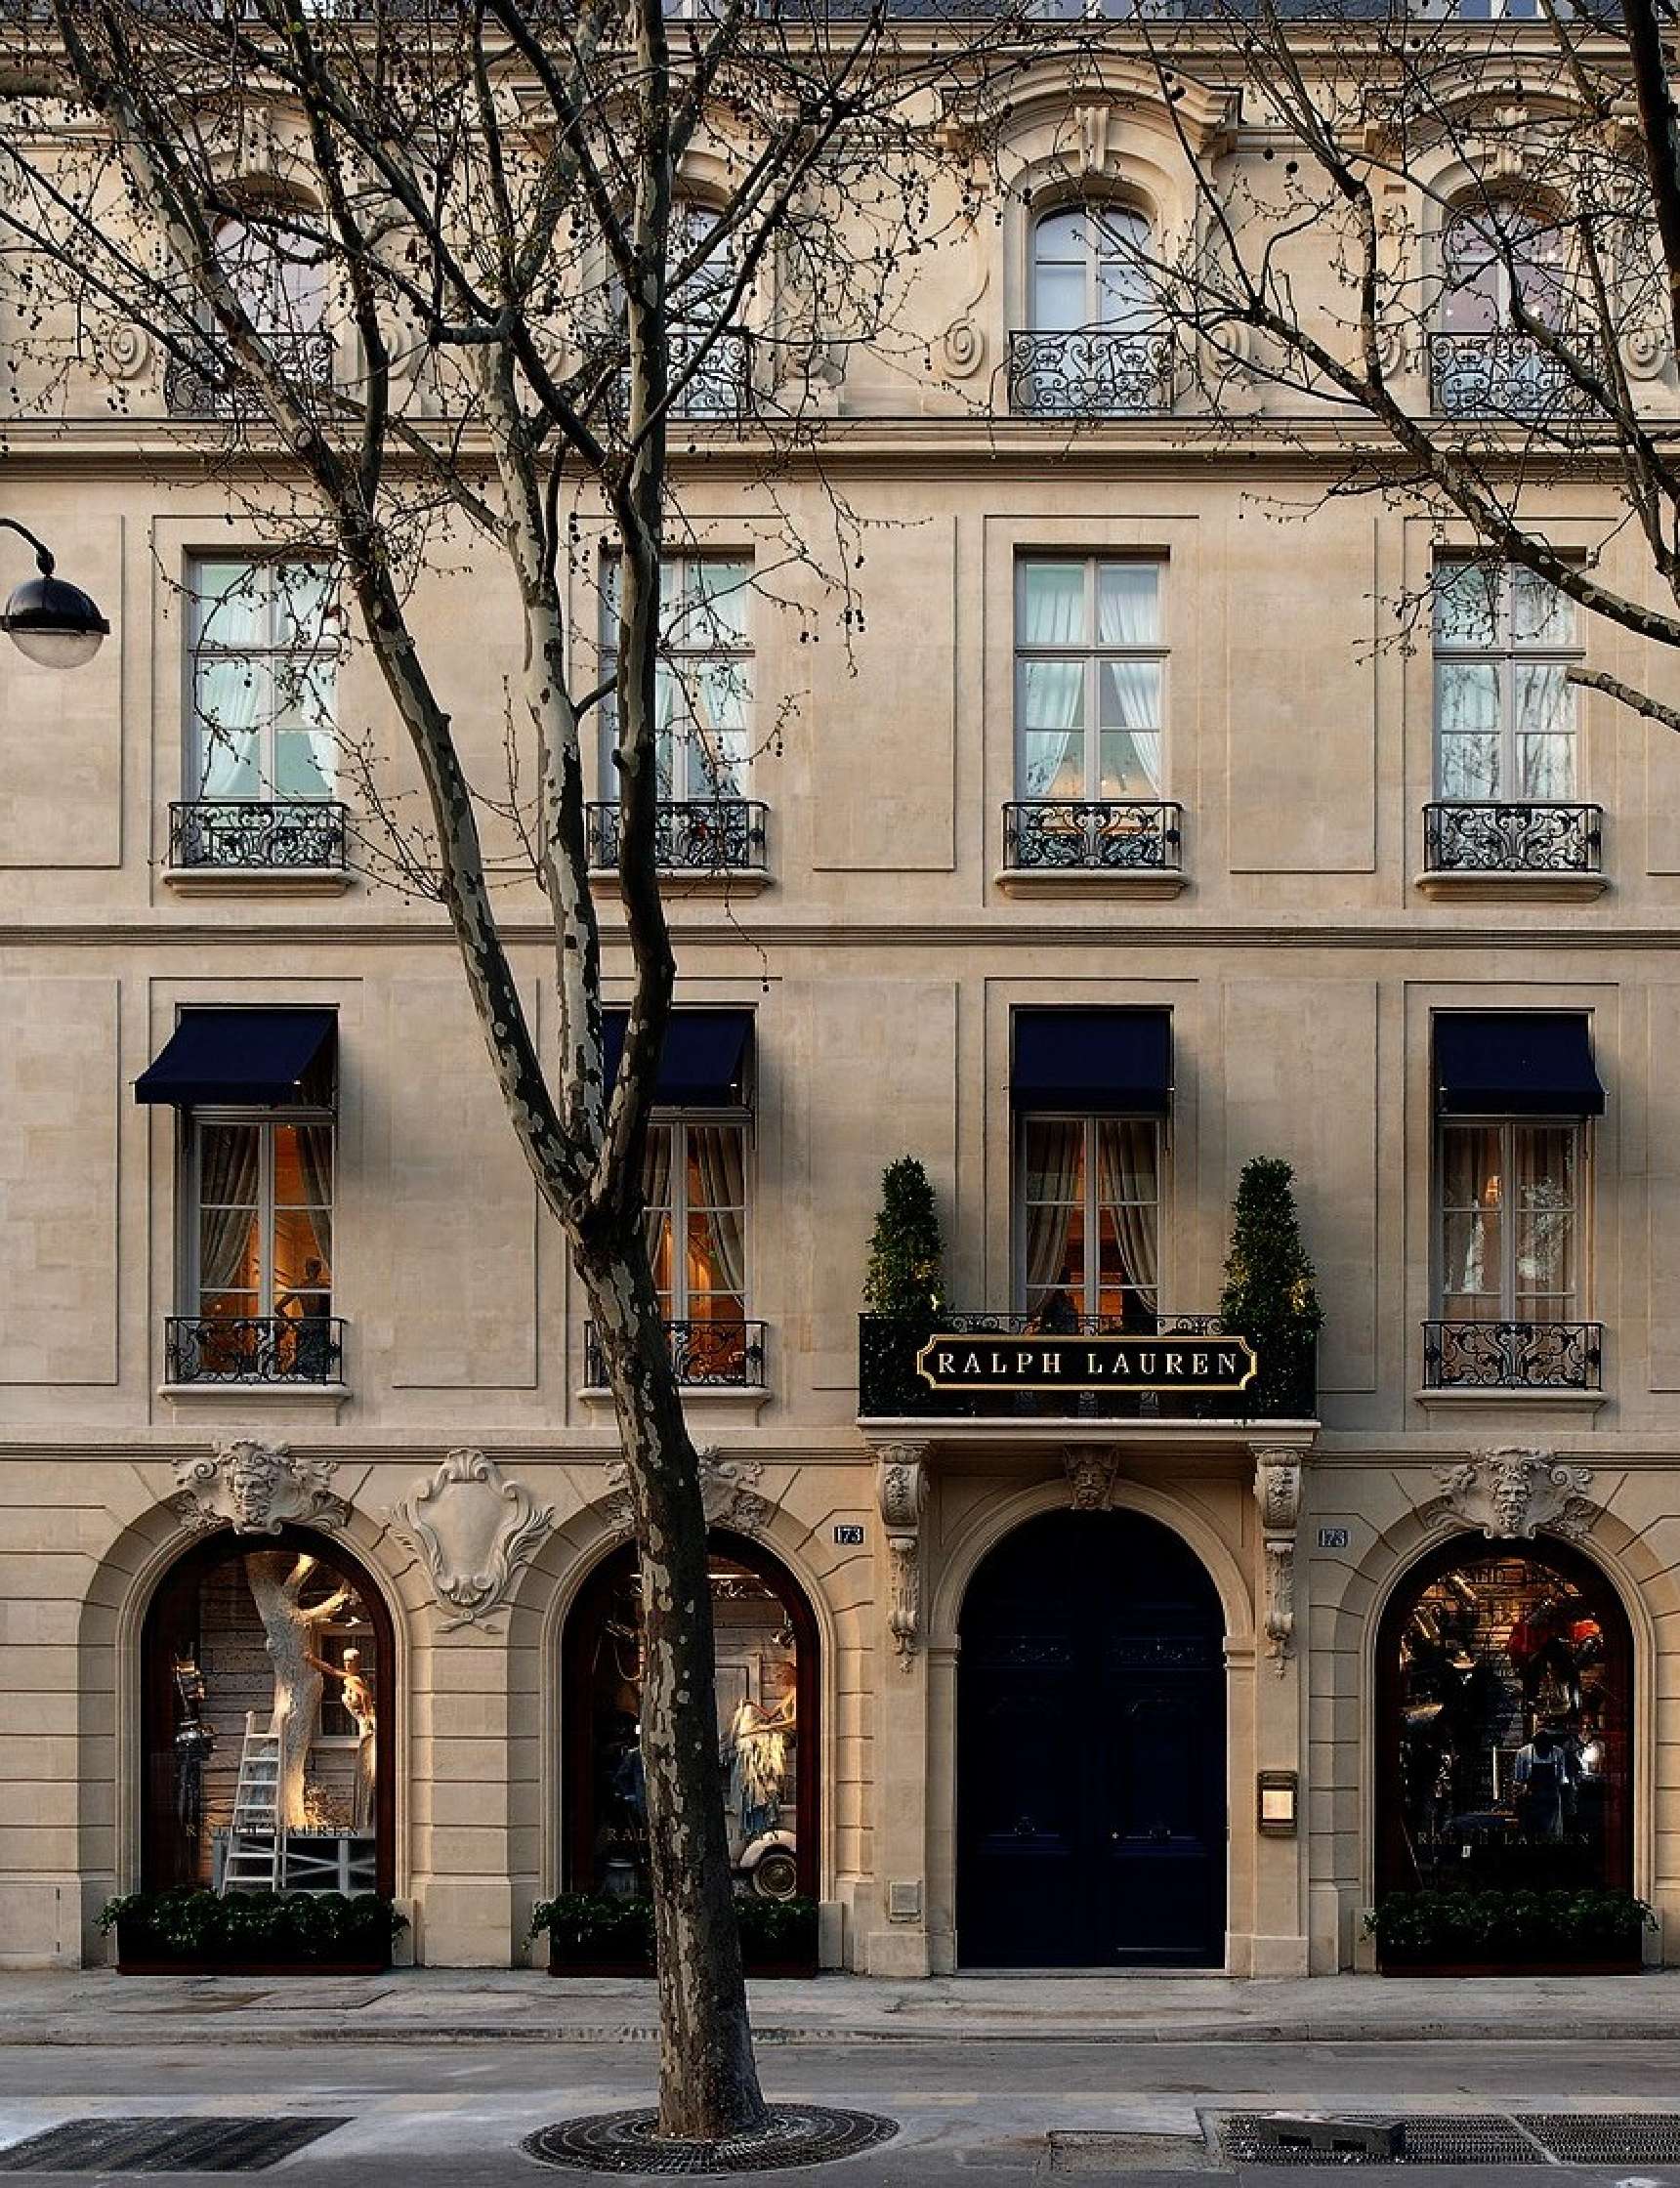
48 620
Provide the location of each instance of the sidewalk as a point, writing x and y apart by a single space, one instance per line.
481 2006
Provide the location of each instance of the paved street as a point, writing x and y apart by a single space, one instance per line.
455 2112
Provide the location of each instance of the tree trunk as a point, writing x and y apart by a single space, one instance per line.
275 1579
708 2084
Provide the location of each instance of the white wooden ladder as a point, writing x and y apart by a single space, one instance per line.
254 1859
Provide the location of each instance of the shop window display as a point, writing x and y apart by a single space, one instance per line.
266 1669
766 1697
1506 1671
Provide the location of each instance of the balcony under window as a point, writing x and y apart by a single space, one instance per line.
1095 348
1499 258
1513 1355
708 1354
1485 836
256 835
1101 836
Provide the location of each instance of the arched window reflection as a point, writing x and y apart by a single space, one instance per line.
765 1663
1505 1694
281 281
1494 255
1090 271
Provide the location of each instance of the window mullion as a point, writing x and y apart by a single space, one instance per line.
1093 1302
679 1222
1508 1222
266 1219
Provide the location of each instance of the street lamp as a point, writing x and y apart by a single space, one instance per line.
48 620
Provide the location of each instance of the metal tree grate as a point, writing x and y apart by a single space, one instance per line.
798 2135
194 2144
1431 2139
1606 2139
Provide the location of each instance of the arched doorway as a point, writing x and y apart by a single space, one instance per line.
767 1689
274 1653
1505 1702
1091 1759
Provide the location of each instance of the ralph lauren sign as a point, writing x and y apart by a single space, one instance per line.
1100 1362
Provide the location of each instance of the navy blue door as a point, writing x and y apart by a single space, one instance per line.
1091 1750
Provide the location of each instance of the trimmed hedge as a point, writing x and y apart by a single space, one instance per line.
1508 1928
282 1928
588 1929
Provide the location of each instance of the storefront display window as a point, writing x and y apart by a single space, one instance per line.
267 1672
766 1695
1505 1670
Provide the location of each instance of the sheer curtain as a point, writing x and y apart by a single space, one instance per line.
1128 614
314 1161
228 1160
720 1159
1053 1177
1127 1179
228 703
656 1201
1052 613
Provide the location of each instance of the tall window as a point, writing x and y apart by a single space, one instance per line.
1505 717
1494 254
264 646
1090 271
1089 664
704 694
1511 1221
695 1187
1089 1218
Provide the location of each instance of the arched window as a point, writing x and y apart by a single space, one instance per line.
281 282
765 1642
267 1670
1090 271
1093 346
1504 1697
698 306
1492 255
1483 365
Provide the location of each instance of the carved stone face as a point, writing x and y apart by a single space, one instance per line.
252 1474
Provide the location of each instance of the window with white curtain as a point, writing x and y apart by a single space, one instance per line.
704 687
1505 714
1089 670
1088 1218
1510 1221
265 640
1090 271
693 1184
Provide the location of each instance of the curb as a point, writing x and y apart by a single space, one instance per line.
19 2035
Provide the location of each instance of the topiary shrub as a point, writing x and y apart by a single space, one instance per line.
905 1271
1270 1296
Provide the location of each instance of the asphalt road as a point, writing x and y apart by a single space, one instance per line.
453 2115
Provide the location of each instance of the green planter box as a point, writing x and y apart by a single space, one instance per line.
1509 1933
252 1933
589 1935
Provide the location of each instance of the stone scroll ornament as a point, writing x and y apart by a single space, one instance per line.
256 1488
1511 1493
730 1495
1278 1477
473 1530
902 1491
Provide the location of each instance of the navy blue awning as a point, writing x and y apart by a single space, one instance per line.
1516 1063
1103 1063
261 1059
703 1063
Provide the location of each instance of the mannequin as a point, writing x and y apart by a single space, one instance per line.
358 1699
755 1749
276 1581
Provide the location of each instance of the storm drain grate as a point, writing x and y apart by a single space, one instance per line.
195 2144
1431 2139
1606 2139
795 2135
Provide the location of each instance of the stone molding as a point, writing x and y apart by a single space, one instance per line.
730 1495
1279 1475
256 1488
472 1529
901 1493
1511 1491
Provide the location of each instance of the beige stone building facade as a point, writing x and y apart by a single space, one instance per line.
1101 867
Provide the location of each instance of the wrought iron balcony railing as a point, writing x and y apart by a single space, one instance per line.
706 1355
189 391
1513 1355
1504 376
256 834
695 835
252 1349
1484 836
1093 373
888 1387
722 387
1105 836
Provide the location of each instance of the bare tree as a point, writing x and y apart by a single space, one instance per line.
1440 258
483 197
